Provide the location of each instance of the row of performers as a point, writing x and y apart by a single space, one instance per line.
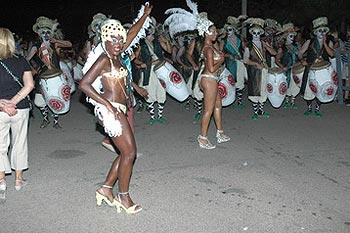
161 67
276 74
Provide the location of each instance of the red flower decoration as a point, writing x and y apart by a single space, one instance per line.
65 91
175 77
231 80
296 79
335 78
162 83
313 87
269 88
222 90
283 88
56 104
330 91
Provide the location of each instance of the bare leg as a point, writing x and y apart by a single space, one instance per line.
218 112
122 166
210 91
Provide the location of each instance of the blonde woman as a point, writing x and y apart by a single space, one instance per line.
16 82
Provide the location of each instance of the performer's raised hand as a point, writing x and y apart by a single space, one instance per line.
148 8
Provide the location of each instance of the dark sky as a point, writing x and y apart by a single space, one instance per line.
75 16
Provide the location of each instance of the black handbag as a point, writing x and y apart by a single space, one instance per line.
17 81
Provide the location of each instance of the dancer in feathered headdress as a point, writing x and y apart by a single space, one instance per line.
103 30
109 71
210 74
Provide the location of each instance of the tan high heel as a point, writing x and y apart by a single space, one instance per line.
131 210
102 197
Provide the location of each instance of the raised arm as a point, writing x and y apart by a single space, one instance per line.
132 33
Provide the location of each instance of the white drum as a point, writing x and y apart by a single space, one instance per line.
276 86
56 93
323 81
172 81
227 88
297 73
67 69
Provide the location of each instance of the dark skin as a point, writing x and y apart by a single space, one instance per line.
114 91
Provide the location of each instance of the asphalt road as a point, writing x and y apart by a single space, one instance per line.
286 174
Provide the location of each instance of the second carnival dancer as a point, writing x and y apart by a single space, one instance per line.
286 59
257 67
209 76
233 44
106 71
55 91
317 50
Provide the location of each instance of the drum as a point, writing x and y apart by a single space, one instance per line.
227 88
323 81
297 73
56 93
67 69
171 80
276 86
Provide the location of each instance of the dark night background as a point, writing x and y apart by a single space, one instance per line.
75 16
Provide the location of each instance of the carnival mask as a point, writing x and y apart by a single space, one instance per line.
320 33
290 38
256 33
229 31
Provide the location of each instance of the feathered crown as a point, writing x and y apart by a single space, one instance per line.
180 20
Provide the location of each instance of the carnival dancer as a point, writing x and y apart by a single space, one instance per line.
317 49
151 54
234 45
54 86
109 73
213 65
257 66
286 59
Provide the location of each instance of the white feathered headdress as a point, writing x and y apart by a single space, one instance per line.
180 20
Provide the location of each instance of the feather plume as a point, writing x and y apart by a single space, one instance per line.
193 6
92 57
141 34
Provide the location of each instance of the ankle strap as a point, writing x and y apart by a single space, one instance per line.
202 137
125 193
107 186
220 131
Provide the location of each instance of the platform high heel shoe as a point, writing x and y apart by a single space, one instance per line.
131 210
102 197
